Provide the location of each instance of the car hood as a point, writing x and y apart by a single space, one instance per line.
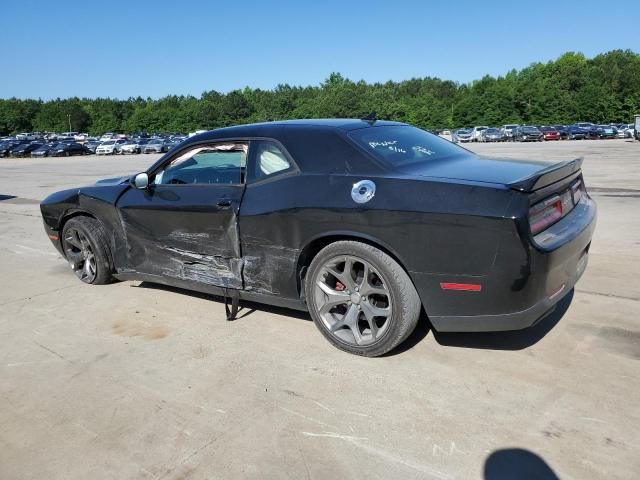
477 169
113 181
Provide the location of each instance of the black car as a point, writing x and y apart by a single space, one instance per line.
25 149
564 131
607 131
68 149
575 132
43 150
363 223
8 146
528 133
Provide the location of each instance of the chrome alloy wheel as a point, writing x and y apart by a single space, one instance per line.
80 255
353 300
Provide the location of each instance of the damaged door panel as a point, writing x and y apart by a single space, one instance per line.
187 232
184 225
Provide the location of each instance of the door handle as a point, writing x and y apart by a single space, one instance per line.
224 202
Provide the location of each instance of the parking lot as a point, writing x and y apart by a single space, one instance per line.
132 380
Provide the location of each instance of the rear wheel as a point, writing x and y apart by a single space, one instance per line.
85 245
361 299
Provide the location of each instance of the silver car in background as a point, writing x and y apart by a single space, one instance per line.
132 146
462 135
156 145
492 135
477 132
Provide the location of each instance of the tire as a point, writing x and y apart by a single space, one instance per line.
370 323
86 248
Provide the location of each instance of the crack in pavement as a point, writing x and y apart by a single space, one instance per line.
612 295
17 300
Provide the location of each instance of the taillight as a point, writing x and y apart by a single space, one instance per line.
577 189
545 213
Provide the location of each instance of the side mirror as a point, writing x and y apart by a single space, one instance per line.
141 181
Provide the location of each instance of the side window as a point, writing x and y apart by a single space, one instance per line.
222 163
269 159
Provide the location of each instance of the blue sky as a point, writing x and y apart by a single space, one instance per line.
130 48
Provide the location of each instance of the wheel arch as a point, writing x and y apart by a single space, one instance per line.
317 243
74 212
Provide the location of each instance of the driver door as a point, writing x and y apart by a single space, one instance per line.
184 225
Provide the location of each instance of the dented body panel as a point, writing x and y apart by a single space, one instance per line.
181 231
450 221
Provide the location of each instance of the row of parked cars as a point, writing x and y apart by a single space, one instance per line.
35 148
67 144
539 133
121 146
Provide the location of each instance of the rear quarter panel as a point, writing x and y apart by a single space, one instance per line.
430 226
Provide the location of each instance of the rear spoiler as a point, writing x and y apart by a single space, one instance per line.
547 176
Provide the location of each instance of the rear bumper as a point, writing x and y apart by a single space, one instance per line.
513 301
509 321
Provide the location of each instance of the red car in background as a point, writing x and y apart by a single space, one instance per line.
550 133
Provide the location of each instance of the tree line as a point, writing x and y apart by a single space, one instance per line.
572 88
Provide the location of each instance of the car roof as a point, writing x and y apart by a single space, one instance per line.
257 129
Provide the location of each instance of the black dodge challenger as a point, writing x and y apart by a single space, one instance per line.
363 223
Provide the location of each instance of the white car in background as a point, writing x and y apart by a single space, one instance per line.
107 136
509 131
108 147
628 131
26 136
446 134
476 132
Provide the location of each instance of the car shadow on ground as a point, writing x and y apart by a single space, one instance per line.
515 463
512 340
515 340
246 307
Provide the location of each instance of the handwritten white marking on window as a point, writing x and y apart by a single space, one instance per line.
396 149
424 150
382 144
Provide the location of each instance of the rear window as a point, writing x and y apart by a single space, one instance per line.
403 145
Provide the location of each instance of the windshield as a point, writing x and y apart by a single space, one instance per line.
109 143
492 130
530 129
403 144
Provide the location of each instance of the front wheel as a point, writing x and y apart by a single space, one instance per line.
361 299
85 245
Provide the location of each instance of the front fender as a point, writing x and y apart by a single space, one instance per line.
57 205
